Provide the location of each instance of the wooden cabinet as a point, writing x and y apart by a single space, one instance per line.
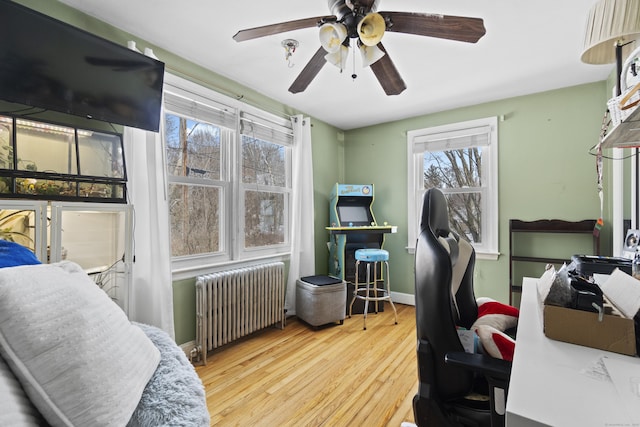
556 229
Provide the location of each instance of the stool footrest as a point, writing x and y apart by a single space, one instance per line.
387 298
371 291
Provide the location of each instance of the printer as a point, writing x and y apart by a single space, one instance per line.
588 265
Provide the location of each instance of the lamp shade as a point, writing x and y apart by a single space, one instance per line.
338 58
611 22
371 29
332 35
370 54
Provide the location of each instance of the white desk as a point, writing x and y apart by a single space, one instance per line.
549 385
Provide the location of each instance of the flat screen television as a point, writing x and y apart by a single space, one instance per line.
48 64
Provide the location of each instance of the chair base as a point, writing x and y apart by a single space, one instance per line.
429 413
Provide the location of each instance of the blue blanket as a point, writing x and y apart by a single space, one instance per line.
13 254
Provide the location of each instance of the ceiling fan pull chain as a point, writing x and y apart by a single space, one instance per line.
354 76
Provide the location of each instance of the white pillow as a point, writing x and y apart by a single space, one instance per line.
74 351
15 407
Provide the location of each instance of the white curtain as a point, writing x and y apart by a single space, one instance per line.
302 222
152 291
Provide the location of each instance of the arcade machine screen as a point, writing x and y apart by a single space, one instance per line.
354 215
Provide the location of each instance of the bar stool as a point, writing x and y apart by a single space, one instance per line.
362 291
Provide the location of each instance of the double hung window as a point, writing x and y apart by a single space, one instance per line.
229 179
266 183
461 160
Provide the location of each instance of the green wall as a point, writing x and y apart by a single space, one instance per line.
545 168
545 171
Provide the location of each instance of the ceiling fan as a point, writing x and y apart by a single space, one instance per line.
358 20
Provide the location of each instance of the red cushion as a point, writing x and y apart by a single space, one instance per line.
493 313
493 319
495 307
495 343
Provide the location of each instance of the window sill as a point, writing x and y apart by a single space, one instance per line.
489 256
189 272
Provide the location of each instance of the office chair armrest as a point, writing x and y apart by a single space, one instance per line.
486 365
496 371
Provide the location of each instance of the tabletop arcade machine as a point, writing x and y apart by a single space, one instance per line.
353 226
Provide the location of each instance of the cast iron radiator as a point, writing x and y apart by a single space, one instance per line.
235 303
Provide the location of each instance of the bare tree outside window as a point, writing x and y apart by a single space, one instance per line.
264 172
458 173
460 159
229 169
193 153
193 148
195 221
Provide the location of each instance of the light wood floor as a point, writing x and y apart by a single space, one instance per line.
339 375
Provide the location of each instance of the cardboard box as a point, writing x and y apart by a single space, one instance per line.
615 333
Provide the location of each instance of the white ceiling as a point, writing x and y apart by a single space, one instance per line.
530 46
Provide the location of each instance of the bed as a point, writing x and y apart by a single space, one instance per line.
70 357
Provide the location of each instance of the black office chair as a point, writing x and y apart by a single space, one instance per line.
455 388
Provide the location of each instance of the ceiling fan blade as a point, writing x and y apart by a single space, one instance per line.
387 74
309 72
282 27
457 28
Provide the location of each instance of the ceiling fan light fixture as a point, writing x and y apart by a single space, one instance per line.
359 20
332 35
338 58
371 29
370 55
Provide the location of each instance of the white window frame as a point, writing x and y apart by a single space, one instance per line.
231 220
285 247
420 141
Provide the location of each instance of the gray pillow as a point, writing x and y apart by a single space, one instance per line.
75 353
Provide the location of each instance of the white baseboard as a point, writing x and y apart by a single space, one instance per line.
401 298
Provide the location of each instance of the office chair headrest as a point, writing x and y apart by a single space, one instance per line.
450 243
435 213
435 218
